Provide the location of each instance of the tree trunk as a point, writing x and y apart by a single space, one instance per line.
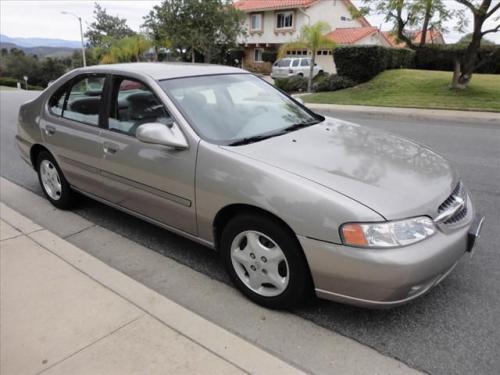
470 57
207 57
193 57
425 26
456 74
311 71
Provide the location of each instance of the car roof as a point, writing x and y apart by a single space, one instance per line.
161 71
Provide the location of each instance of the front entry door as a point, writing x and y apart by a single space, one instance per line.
153 180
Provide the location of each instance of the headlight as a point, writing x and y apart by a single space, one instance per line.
387 234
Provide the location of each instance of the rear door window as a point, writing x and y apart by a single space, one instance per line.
134 104
56 101
83 103
295 63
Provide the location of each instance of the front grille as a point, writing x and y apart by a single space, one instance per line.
458 192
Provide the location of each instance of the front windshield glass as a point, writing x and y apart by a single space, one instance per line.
225 109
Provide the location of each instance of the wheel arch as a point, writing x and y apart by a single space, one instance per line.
35 151
226 213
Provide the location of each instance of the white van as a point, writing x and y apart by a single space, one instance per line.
294 66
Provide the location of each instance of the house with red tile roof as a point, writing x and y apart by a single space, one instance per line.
434 36
271 23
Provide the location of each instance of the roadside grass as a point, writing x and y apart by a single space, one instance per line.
418 89
7 88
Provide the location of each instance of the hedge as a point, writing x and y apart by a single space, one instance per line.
362 63
12 82
292 84
441 57
9 82
332 82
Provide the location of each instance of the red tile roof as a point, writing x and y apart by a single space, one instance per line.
391 38
255 5
433 36
350 35
247 5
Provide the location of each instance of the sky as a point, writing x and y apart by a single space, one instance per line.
43 19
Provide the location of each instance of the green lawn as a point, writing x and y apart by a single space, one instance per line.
418 89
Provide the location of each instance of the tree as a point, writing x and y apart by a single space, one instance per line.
208 27
129 49
406 16
466 39
466 65
106 28
312 38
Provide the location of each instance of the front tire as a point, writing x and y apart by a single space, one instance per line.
54 185
265 261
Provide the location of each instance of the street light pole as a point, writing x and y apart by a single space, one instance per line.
81 35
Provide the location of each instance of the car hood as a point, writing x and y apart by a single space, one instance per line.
395 177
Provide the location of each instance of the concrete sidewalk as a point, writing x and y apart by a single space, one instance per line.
64 311
469 117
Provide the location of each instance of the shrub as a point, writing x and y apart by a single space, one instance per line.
362 63
332 82
8 81
441 57
269 55
235 54
292 84
12 82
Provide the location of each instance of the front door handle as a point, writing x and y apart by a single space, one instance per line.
110 148
50 130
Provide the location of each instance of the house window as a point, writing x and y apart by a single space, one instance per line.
343 18
257 57
284 20
256 22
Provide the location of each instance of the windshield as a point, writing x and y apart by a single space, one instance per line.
225 109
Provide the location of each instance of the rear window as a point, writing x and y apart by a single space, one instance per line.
285 63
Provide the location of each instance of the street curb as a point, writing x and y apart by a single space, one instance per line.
469 117
228 346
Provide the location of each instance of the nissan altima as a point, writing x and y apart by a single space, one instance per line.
294 202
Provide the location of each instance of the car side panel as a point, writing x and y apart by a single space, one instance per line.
224 178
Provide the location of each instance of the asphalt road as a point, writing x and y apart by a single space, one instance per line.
455 329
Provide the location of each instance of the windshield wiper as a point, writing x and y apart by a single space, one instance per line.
261 137
300 125
248 140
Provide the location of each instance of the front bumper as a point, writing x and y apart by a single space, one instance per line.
383 278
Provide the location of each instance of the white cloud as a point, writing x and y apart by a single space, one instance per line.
44 19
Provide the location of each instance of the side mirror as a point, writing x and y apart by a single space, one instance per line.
161 134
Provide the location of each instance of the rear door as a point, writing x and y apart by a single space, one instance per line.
70 129
153 180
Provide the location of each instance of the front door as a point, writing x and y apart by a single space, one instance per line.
153 180
70 129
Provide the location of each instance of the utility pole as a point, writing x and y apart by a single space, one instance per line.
81 35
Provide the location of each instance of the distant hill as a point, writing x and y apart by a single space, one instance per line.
40 50
40 42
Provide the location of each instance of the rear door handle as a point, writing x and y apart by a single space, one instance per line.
50 130
110 148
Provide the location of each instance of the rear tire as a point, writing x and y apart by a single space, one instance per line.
265 261
53 183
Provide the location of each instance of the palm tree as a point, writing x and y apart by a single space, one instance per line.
127 49
312 38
